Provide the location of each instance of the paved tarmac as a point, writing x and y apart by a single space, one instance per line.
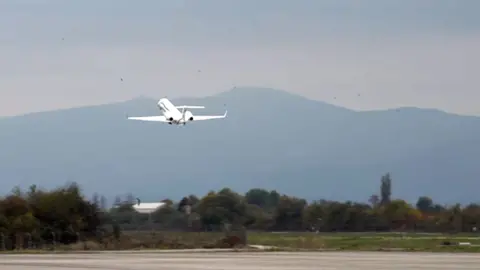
242 261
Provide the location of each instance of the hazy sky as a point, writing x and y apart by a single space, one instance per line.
65 53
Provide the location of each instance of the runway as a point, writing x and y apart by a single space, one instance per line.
242 261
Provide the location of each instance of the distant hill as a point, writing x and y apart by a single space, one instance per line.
271 139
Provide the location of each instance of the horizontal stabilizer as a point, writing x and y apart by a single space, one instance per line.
189 107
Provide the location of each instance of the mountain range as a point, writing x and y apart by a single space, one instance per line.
271 139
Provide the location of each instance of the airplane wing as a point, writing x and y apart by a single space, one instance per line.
189 107
208 117
158 118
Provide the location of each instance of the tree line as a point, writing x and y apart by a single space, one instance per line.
264 210
60 215
66 215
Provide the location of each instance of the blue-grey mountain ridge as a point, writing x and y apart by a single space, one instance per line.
271 139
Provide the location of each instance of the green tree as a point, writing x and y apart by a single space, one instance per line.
257 196
425 204
385 189
289 213
224 207
314 215
401 215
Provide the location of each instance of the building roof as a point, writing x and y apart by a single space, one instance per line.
147 208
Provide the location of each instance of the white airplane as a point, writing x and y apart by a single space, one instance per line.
173 115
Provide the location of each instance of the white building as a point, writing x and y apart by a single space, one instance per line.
148 208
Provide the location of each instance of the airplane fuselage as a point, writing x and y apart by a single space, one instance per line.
178 115
172 114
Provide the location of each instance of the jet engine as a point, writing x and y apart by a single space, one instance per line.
188 116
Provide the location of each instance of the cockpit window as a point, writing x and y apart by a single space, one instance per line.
163 106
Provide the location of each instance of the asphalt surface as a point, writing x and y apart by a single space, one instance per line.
242 261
